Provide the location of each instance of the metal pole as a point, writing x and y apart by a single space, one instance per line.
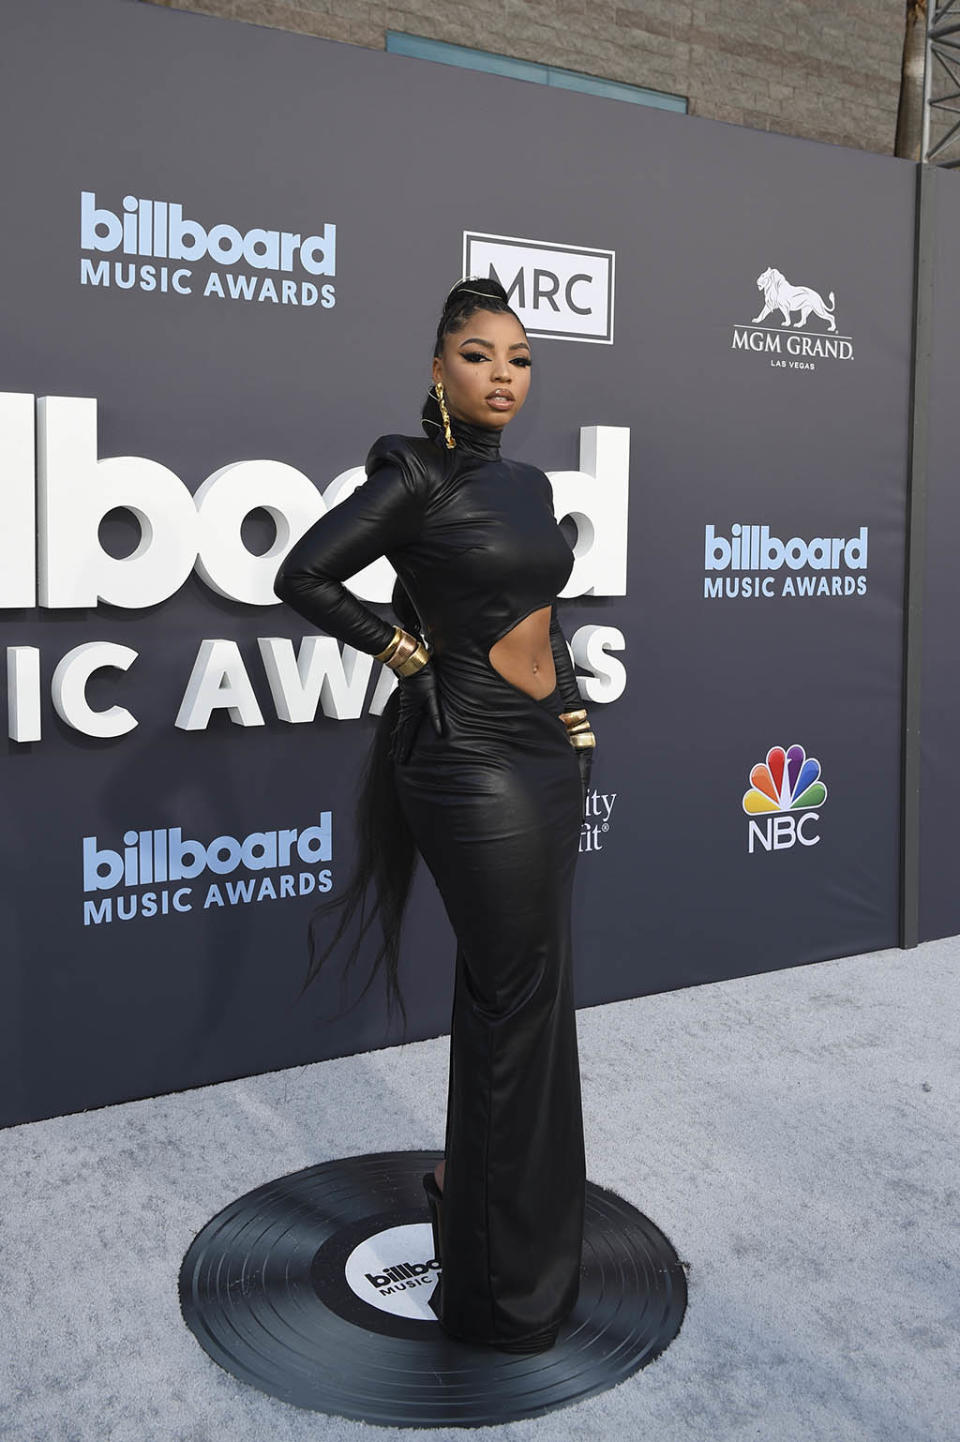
927 179
927 74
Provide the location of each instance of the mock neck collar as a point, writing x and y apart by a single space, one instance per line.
472 440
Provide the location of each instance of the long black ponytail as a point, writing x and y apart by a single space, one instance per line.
385 859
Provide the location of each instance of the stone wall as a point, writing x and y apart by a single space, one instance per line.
828 70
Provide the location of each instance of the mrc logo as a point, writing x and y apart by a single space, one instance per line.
560 292
785 791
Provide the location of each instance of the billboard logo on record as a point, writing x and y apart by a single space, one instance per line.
560 292
786 783
395 1270
784 346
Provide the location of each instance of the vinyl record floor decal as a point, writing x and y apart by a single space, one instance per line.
314 1288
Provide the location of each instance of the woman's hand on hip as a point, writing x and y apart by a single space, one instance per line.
419 693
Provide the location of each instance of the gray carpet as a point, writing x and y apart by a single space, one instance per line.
794 1134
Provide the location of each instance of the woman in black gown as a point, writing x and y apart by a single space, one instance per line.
480 764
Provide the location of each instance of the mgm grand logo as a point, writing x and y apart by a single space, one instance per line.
789 344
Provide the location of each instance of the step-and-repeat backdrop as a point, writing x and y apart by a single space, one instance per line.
939 899
225 252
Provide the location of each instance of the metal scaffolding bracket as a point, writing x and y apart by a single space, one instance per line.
941 80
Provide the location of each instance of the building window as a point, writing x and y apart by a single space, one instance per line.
420 48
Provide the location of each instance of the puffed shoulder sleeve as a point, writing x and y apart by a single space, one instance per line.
385 512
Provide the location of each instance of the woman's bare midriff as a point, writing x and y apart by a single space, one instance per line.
523 656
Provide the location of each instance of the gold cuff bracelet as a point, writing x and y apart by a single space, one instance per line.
391 646
413 660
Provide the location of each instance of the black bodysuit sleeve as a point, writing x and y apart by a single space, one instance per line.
385 512
566 676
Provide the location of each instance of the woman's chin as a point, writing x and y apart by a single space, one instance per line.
496 416
493 417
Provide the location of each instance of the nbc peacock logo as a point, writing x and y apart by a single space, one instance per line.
785 792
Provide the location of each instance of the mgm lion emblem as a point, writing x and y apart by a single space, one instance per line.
779 294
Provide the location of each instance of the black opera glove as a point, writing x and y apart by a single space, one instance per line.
585 762
581 738
418 694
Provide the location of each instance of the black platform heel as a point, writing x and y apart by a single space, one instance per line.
538 1341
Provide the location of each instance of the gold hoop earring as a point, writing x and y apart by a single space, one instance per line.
445 416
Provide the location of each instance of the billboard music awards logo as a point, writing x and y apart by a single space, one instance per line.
146 876
560 292
784 346
154 239
755 563
784 791
58 489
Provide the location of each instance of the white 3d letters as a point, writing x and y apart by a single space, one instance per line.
74 488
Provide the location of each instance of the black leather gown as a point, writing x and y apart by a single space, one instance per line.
495 809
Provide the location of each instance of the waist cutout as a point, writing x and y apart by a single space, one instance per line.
553 702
